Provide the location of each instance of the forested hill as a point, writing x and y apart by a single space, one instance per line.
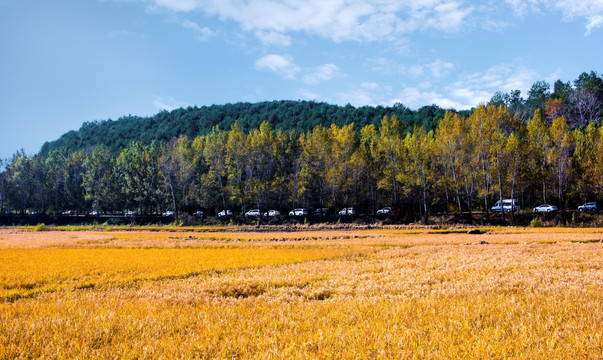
300 116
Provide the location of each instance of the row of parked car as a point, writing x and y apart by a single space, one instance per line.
508 205
298 212
302 212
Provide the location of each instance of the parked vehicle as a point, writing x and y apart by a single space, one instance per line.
507 205
545 208
68 212
200 214
321 212
384 211
224 213
272 213
589 206
94 213
254 213
349 211
169 213
131 213
298 212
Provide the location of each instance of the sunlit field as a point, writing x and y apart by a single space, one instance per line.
344 294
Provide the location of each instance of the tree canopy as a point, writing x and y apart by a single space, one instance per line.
191 122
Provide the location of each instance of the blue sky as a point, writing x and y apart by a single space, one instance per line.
64 62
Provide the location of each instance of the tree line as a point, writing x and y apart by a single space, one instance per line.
464 165
542 149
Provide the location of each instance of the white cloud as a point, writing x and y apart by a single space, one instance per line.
440 68
437 69
356 97
178 5
386 66
169 104
415 71
307 94
470 89
203 33
280 64
321 73
590 10
339 20
369 85
448 16
366 93
273 38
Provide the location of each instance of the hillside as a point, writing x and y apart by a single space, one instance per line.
299 116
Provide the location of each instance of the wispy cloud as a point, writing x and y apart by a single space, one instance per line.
469 89
321 73
386 66
436 69
203 33
589 10
359 20
167 103
271 21
273 38
178 5
307 94
366 93
280 64
440 68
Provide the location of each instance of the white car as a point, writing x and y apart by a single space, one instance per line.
298 212
349 211
591 206
272 213
225 213
385 211
254 213
545 208
168 213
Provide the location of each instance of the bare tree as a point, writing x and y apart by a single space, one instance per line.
586 107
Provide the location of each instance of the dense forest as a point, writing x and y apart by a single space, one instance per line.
545 148
299 116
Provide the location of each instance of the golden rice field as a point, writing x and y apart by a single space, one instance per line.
313 294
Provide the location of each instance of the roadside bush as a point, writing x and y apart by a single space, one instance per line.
536 222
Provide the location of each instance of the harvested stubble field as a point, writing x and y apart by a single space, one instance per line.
510 293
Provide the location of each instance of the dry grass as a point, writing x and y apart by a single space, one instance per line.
527 294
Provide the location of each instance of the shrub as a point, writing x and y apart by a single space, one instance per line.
536 222
39 227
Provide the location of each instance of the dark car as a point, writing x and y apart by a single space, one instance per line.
200 214
385 211
321 212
